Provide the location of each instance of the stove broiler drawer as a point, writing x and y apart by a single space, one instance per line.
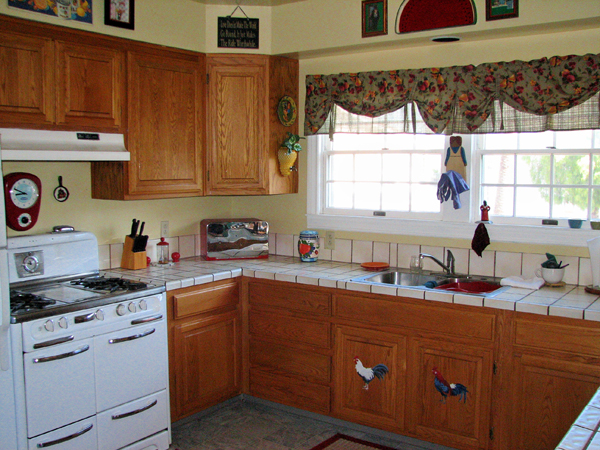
133 421
60 386
77 436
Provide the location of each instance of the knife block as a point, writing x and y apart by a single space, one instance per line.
131 260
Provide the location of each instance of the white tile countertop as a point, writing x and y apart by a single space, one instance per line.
568 301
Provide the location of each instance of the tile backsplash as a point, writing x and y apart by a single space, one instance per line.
492 263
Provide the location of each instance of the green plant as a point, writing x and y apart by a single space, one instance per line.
292 143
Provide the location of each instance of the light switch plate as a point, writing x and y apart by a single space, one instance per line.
330 240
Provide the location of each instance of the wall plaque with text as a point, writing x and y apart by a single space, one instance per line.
236 32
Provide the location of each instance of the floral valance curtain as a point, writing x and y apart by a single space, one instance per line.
562 92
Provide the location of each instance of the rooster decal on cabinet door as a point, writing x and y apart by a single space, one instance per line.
447 389
369 373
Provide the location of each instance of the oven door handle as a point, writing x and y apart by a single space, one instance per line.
66 438
133 413
44 359
131 338
85 318
147 319
61 340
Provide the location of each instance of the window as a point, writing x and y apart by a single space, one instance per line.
391 174
526 177
387 183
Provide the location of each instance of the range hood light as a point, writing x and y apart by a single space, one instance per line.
44 145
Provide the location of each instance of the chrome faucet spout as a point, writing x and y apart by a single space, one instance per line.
449 268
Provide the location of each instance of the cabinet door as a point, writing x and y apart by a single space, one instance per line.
90 86
549 394
461 418
237 120
26 80
380 402
165 125
206 361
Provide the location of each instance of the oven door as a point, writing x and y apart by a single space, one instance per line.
130 364
59 385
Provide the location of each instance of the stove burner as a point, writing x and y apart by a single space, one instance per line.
24 302
109 284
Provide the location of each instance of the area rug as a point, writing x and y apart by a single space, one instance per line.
343 442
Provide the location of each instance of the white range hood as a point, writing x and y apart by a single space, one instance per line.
44 145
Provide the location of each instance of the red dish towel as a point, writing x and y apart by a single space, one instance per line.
481 239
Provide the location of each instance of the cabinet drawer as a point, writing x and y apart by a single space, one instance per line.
305 300
276 358
398 313
288 328
201 300
289 391
542 334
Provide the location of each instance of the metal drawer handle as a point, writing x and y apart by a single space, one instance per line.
66 438
131 338
133 413
44 359
146 319
86 318
61 340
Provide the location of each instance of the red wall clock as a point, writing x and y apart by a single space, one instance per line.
22 195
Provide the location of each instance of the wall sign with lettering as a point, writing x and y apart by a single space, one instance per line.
235 32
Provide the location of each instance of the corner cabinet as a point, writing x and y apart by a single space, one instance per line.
204 346
165 139
244 131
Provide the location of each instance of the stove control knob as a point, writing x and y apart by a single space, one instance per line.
143 305
62 322
131 307
100 314
121 310
31 263
49 326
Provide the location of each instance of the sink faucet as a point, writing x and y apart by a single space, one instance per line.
449 267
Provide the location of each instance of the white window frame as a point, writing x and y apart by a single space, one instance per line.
455 224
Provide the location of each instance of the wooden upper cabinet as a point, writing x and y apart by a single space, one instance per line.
90 86
165 124
26 80
244 132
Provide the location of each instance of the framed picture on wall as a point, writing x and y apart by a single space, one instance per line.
501 9
119 13
374 18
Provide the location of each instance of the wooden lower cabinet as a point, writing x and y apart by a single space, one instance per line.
379 403
204 346
461 420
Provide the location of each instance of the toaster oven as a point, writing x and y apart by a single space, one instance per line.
234 239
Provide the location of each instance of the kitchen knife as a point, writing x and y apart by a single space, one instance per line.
140 242
133 229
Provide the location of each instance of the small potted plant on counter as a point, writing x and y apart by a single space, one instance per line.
288 153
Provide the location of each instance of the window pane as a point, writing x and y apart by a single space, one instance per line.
429 142
340 195
596 169
500 141
358 142
571 169
426 167
574 139
424 198
595 214
395 197
401 142
367 168
570 203
532 202
396 167
530 141
341 167
368 196
500 200
498 169
533 169
596 134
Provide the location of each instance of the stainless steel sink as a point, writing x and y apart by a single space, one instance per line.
469 284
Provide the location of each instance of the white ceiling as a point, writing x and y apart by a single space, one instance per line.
248 2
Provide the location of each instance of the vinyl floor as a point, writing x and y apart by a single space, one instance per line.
249 423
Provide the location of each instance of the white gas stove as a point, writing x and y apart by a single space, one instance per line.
91 351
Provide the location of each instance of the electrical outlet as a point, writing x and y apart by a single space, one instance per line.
330 240
164 229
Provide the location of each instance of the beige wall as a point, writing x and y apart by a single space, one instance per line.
308 27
